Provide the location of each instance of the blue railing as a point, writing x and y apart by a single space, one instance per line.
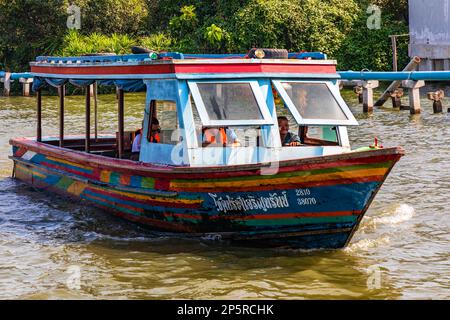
393 76
17 76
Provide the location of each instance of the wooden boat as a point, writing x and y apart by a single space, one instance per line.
257 191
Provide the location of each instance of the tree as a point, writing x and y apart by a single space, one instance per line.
30 28
112 16
371 49
294 25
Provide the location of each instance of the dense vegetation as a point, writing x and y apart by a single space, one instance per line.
336 27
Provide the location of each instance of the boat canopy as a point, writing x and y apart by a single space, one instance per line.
191 93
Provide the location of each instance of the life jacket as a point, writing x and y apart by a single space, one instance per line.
155 138
216 137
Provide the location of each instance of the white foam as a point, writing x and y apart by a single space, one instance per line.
403 213
366 244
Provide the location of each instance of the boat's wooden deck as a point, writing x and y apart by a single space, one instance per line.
101 146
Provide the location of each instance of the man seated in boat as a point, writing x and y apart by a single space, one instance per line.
154 137
216 137
287 138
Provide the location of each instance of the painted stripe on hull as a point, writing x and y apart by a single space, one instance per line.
283 219
329 176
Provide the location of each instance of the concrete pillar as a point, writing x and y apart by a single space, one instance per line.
26 86
436 97
396 97
358 90
367 94
414 94
7 84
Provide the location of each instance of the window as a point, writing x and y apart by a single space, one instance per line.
315 103
319 135
308 135
242 136
230 103
163 122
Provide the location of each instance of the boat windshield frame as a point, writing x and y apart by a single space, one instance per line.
257 93
334 91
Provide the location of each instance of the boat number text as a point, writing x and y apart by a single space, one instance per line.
303 197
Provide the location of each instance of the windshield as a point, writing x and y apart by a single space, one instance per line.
314 100
229 101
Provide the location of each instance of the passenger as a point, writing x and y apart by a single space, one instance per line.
287 138
136 146
222 136
155 131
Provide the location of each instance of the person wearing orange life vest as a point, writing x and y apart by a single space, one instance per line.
155 131
222 136
154 138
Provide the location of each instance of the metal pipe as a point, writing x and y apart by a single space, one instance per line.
95 112
87 145
121 122
25 75
389 76
61 115
394 52
39 115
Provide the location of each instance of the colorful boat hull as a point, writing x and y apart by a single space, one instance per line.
309 203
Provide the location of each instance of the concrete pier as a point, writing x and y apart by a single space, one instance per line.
358 90
396 97
436 97
6 80
367 94
26 86
414 94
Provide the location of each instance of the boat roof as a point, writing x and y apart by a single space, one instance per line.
183 66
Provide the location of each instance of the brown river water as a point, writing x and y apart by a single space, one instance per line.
51 248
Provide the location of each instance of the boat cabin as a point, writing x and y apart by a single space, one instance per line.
208 110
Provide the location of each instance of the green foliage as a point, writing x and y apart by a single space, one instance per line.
77 44
157 42
183 29
397 9
30 28
184 24
294 25
216 38
336 27
112 16
371 49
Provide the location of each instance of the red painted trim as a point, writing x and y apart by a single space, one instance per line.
168 172
289 215
188 68
169 226
20 152
60 168
148 202
125 206
275 187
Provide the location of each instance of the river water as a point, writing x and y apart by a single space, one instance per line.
54 249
